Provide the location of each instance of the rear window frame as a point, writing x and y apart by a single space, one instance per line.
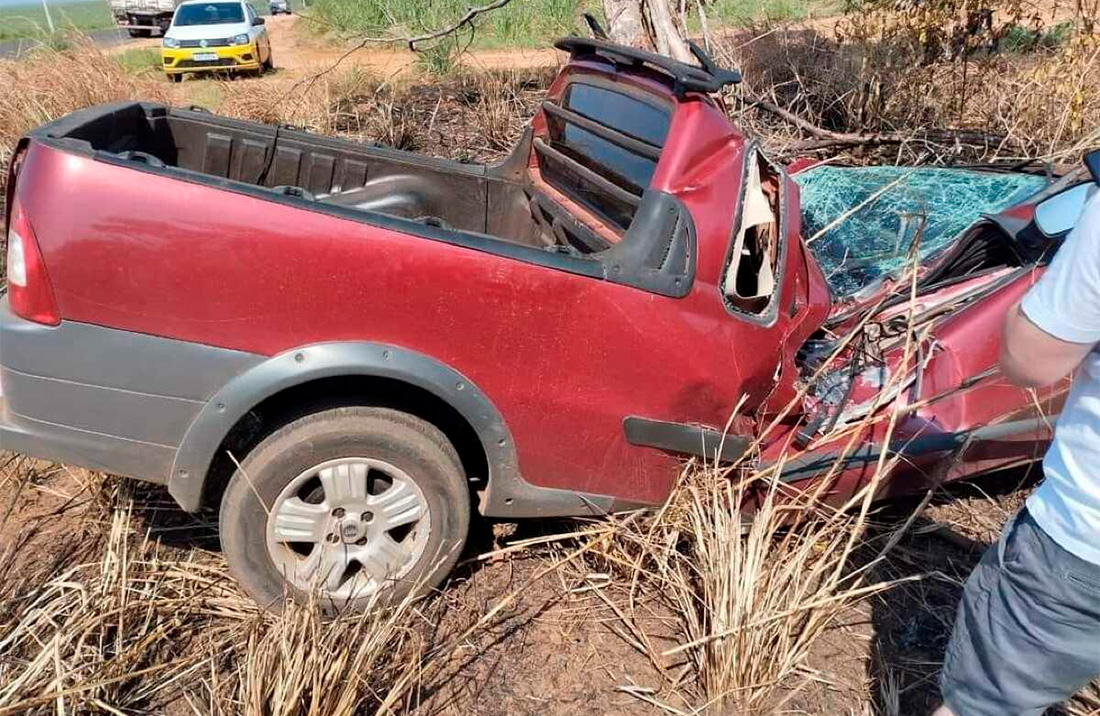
608 172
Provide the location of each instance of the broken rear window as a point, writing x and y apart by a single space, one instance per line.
854 251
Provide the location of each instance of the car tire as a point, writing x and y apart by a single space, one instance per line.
134 32
269 63
287 471
175 78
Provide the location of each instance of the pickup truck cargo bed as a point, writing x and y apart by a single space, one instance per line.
337 172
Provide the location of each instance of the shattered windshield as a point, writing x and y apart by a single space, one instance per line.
854 250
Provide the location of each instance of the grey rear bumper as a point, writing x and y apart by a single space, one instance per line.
145 461
102 398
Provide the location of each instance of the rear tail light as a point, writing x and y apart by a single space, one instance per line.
29 292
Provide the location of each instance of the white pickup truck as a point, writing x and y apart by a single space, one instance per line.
142 17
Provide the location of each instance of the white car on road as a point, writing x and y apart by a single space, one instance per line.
215 35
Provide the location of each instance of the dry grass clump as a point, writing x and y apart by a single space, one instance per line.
310 104
120 623
301 663
752 574
50 83
113 633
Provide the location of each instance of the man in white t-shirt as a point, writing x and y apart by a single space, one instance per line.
1027 632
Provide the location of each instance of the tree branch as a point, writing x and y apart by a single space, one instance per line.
458 24
827 139
411 41
466 19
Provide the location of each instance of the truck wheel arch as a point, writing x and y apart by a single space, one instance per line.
505 495
302 367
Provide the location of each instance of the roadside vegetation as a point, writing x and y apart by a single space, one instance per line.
524 23
926 84
139 61
519 24
29 20
111 601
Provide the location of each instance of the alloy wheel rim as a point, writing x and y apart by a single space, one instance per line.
348 527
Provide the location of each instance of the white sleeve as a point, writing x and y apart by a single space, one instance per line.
1066 300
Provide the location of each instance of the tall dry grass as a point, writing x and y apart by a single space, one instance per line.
123 624
470 116
50 83
302 663
751 575
114 632
752 570
911 68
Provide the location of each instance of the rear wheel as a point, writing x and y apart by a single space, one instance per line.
137 32
175 78
354 503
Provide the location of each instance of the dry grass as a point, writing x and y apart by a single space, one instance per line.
471 116
114 631
879 71
299 663
122 624
49 84
752 574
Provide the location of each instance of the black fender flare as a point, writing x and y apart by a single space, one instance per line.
507 495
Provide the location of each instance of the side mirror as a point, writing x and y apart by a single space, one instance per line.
1058 214
257 21
1092 161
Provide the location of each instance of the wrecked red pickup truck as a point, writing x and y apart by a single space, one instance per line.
374 343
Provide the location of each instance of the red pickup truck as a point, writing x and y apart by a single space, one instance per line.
353 347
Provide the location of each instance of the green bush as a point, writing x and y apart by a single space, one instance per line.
521 23
439 58
1019 39
137 60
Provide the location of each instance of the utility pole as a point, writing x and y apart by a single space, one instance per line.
49 20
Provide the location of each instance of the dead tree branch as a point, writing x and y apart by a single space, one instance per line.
457 25
828 139
411 42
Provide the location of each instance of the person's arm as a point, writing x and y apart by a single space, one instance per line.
1048 333
1031 357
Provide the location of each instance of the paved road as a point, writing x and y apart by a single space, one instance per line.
108 37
